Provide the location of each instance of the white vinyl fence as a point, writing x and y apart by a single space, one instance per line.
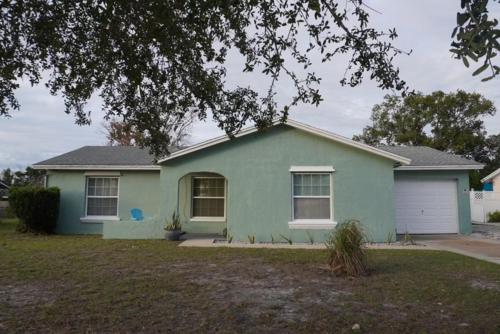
482 203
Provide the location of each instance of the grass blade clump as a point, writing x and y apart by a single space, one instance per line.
346 253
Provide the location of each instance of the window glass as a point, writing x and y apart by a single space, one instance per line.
208 197
102 196
311 196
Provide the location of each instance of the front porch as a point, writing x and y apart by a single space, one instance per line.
201 203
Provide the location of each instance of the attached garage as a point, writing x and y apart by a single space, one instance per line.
426 206
431 194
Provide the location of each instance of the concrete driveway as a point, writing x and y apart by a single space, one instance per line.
486 230
479 248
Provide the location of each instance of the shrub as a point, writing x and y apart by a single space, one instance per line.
494 216
174 224
36 208
346 254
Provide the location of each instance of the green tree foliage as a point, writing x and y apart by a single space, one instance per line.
450 122
477 37
7 176
30 176
156 61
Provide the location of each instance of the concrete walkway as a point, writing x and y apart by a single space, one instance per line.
482 249
215 242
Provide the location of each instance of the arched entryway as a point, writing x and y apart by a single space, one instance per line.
202 202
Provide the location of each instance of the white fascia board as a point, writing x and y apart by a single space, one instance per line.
326 169
102 173
297 125
95 167
443 167
490 176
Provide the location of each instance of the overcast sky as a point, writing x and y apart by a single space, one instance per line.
41 129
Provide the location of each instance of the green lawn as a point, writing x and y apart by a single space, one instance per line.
86 284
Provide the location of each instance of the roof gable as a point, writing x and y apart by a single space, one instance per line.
296 125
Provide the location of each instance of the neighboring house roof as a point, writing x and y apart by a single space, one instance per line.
3 185
102 157
297 125
489 177
423 157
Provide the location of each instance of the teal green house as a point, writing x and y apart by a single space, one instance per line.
290 180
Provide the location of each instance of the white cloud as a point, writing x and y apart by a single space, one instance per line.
41 129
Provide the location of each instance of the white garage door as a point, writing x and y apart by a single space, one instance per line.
426 207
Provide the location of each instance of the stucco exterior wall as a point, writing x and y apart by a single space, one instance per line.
137 189
256 168
462 178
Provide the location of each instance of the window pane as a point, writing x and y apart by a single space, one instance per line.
208 207
311 184
208 187
113 184
102 206
98 186
325 190
91 190
311 208
316 179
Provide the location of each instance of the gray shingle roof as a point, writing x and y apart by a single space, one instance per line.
103 155
135 156
426 156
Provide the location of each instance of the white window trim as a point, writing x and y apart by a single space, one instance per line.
312 169
202 218
99 219
312 224
320 224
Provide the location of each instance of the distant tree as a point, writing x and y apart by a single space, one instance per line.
30 176
119 132
449 122
490 156
7 176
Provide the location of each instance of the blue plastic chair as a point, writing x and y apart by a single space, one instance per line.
136 214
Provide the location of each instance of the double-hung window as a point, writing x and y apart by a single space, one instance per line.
102 196
208 197
312 196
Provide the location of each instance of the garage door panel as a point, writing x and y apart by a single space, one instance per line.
418 228
424 206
